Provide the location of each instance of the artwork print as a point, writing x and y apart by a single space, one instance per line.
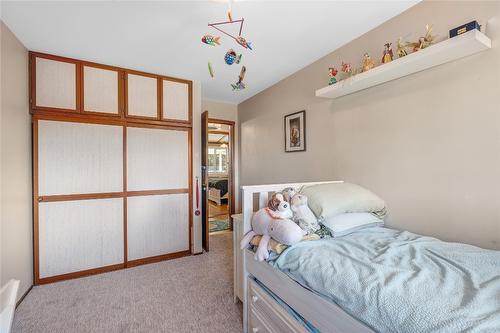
295 132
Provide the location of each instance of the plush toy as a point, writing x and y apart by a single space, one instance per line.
288 193
303 215
274 224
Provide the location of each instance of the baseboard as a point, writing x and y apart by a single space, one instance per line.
24 295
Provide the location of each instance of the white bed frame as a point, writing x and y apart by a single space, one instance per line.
214 195
324 315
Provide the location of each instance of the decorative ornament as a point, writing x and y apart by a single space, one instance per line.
368 63
210 40
425 41
210 70
231 57
243 42
402 48
347 69
332 71
240 85
388 55
240 40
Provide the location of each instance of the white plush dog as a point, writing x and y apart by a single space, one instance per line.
303 215
274 224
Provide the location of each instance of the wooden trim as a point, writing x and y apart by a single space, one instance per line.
232 131
109 195
122 93
222 121
157 192
190 188
74 275
106 120
32 74
190 100
153 76
118 86
83 196
162 257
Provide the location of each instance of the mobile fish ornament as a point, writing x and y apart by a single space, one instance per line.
210 40
240 85
231 57
210 70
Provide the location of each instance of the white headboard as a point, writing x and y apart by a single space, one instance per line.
261 193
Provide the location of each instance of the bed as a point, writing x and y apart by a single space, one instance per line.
467 284
218 190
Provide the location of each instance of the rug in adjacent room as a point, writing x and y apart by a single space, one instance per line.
218 224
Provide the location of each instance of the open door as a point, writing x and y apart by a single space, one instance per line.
204 180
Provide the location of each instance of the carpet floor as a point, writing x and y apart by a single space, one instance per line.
190 294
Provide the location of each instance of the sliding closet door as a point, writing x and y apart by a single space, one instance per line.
158 173
79 221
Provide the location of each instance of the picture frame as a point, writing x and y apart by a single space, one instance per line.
295 131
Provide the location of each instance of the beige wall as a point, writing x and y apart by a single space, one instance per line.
429 143
227 111
16 260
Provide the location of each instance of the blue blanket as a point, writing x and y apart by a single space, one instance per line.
397 281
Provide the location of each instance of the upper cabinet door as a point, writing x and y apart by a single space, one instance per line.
100 90
55 84
142 96
176 100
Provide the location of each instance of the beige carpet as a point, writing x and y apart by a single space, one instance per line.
191 294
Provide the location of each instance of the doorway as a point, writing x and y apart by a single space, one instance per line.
217 176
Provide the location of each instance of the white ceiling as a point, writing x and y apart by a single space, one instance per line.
165 37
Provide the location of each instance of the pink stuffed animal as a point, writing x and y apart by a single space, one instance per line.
273 224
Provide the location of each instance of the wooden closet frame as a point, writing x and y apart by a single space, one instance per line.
79 115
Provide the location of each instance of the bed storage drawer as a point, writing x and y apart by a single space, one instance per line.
268 313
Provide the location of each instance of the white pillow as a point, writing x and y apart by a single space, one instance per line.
344 224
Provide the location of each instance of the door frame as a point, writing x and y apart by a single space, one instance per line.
231 186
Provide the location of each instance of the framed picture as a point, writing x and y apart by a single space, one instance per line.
295 131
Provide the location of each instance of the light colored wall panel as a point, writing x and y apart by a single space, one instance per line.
55 84
175 100
142 94
79 158
80 235
100 90
157 225
156 159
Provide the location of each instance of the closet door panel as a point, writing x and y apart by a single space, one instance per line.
175 100
80 235
76 158
100 90
142 96
157 224
55 84
157 159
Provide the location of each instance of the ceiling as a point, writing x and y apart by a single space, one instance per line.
164 37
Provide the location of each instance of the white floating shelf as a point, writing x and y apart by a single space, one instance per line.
448 50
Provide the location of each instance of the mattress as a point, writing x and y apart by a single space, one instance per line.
397 281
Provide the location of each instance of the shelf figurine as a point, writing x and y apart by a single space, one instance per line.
388 55
424 41
347 69
332 71
402 48
368 63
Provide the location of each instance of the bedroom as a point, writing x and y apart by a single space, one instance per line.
421 133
